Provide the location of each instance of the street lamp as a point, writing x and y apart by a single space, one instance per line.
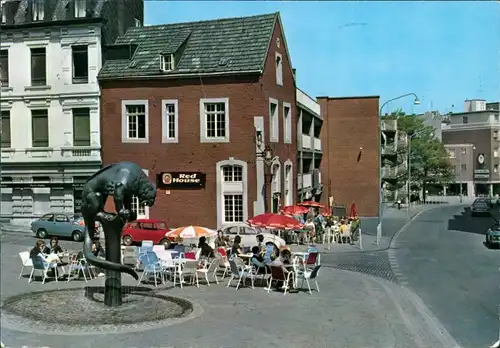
410 137
463 151
416 101
265 152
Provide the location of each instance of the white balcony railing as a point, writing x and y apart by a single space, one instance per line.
389 149
317 144
388 172
49 154
306 141
389 125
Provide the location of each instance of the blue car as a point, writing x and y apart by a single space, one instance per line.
493 236
60 225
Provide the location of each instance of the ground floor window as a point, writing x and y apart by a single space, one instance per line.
233 208
138 208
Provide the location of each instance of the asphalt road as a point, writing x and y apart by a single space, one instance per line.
442 258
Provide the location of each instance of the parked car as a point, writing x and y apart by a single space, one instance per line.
481 206
60 225
249 235
493 236
146 229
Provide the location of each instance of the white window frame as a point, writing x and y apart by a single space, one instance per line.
135 204
80 8
279 68
287 123
288 194
233 195
231 188
167 64
276 176
125 103
38 7
165 137
203 121
274 123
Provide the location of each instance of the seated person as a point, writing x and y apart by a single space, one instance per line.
344 227
220 241
281 261
260 243
269 255
257 260
38 258
97 249
236 248
54 247
206 250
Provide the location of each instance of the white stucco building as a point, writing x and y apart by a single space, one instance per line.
49 106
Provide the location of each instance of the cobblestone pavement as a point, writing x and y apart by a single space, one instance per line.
350 311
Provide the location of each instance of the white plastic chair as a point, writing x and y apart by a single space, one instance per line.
212 270
44 267
240 273
308 275
77 265
167 261
188 268
26 261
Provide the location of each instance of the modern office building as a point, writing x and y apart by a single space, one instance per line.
51 53
208 109
478 127
309 147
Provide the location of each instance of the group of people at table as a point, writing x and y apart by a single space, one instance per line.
50 257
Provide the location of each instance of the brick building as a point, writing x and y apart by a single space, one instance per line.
474 134
351 149
204 99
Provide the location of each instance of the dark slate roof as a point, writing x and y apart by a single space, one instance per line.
231 45
54 11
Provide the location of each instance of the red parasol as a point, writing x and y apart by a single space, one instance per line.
325 211
270 220
294 210
354 211
311 204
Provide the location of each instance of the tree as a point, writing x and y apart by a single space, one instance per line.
429 160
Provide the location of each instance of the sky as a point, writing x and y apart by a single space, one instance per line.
444 52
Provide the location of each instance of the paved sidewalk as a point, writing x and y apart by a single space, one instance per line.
351 310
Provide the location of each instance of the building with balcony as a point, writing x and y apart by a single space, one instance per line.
394 161
51 53
462 159
309 151
478 126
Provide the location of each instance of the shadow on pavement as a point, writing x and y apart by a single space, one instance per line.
465 222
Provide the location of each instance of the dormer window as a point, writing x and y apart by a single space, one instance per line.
167 62
38 10
80 8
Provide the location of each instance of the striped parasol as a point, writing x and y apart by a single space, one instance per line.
190 232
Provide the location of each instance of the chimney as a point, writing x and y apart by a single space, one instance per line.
294 72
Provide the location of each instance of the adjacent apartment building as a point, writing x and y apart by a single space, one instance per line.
350 139
208 109
473 140
309 123
51 53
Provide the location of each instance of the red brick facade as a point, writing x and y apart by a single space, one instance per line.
350 124
248 98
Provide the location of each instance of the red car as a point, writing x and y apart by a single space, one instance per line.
146 229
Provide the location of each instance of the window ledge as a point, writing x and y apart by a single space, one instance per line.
7 89
136 141
89 147
39 149
169 140
80 81
214 140
37 88
8 149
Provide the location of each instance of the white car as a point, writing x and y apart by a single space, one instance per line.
249 235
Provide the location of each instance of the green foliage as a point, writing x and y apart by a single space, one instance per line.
430 162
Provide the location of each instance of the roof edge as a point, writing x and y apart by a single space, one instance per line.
181 76
353 97
53 23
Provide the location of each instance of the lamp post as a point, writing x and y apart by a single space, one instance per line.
410 137
416 101
265 152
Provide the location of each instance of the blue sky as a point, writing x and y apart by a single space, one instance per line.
445 52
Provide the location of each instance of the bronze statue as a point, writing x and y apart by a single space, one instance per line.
120 182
